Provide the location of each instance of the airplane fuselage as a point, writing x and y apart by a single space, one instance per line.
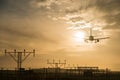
91 38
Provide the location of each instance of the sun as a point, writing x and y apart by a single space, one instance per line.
79 36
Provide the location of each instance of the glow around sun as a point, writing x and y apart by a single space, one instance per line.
79 36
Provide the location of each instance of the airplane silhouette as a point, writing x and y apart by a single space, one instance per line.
92 38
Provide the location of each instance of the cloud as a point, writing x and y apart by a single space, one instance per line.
46 4
108 5
76 13
105 12
17 8
112 21
11 35
111 13
3 3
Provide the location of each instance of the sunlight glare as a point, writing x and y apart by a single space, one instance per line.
79 36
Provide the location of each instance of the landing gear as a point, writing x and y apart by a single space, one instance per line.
97 40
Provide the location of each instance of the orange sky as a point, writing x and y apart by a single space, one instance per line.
49 26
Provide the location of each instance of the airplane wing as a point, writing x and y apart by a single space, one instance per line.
102 38
86 38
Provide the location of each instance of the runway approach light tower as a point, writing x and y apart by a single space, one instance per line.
19 56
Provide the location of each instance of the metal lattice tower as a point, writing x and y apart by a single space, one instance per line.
56 64
19 57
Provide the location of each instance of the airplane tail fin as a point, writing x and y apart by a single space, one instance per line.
90 31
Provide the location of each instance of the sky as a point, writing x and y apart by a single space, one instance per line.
52 28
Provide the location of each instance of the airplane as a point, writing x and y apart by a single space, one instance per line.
92 38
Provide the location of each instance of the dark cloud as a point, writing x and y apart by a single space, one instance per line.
75 19
41 0
111 10
112 21
15 7
71 11
3 3
108 5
